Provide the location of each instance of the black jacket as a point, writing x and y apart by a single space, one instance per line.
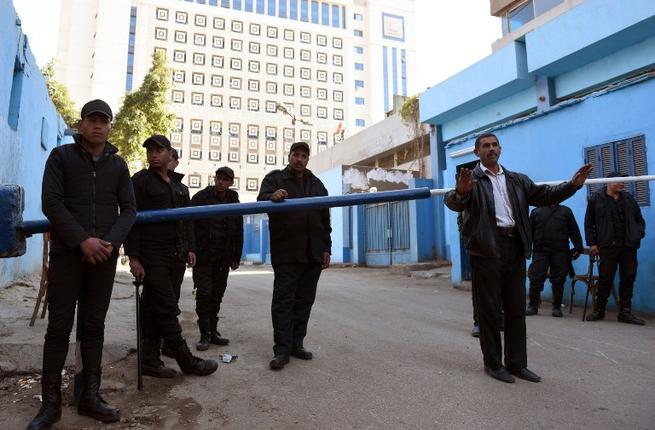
598 226
233 234
84 198
552 227
162 238
479 214
297 236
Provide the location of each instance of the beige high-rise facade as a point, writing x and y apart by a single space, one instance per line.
249 76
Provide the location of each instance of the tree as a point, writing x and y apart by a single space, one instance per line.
59 95
409 113
144 112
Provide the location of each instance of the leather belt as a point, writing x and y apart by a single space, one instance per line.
507 231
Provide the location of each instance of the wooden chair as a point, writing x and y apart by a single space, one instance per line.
591 281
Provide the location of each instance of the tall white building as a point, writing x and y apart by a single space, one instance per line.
244 69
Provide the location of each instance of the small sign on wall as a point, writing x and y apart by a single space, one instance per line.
393 27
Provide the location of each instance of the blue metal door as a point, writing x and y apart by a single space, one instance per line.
387 233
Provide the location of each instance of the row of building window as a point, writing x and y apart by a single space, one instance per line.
200 39
313 11
234 131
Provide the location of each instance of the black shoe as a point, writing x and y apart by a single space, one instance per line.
475 331
158 370
301 353
203 344
625 316
557 312
278 362
50 411
91 404
205 334
217 339
596 316
525 374
191 365
501 374
532 310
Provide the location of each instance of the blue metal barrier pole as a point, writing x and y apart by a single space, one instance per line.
197 212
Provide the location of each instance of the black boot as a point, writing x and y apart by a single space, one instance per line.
533 303
558 292
626 316
205 334
152 364
167 350
50 411
190 364
598 313
216 337
91 404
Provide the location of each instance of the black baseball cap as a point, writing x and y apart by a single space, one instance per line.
299 145
616 175
96 106
226 171
159 140
174 154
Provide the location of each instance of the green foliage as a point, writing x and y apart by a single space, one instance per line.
59 95
409 110
144 112
409 113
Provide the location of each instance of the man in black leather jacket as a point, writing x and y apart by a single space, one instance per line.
85 185
300 249
496 232
614 228
158 255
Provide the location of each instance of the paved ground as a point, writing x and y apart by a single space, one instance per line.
391 352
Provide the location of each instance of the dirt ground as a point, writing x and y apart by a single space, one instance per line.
391 352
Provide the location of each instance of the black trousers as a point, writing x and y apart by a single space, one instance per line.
611 257
294 291
500 284
73 282
161 292
558 263
210 282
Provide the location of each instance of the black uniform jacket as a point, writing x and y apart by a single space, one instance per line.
479 213
552 226
84 198
297 236
598 226
161 238
232 235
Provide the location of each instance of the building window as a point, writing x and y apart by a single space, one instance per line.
179 56
270 159
289 35
198 78
305 135
253 131
217 81
360 122
271 50
271 87
337 42
271 133
305 92
236 45
217 61
201 20
234 130
271 68
337 96
359 100
337 114
288 71
181 17
219 23
336 16
252 184
358 33
233 156
161 33
288 134
237 26
321 93
359 50
199 59
195 180
215 128
197 99
252 159
321 137
337 78
305 73
235 103
288 53
359 84
162 14
253 105
358 17
235 83
293 9
180 36
305 37
177 96
213 156
337 60
178 125
359 66
288 90
179 76
218 42
271 106
216 100
305 55
254 47
321 75
253 66
253 85
321 40
325 14
305 110
628 157
321 58
271 32
235 63
196 126
255 29
321 112
314 12
304 10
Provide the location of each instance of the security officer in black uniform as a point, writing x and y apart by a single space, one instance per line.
300 249
219 242
552 227
158 255
88 198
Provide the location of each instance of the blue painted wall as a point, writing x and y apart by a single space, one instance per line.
29 129
551 147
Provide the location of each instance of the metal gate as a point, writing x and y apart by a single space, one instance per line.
387 232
